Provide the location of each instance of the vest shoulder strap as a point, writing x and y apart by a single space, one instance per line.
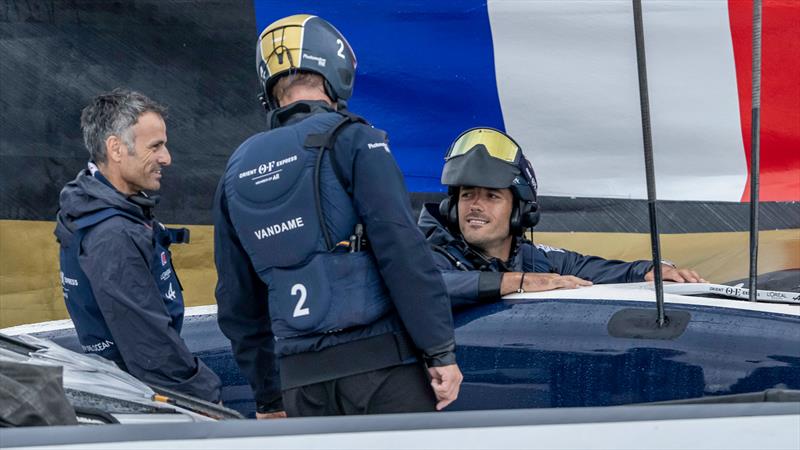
178 235
327 141
167 235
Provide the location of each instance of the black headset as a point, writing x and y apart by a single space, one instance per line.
524 214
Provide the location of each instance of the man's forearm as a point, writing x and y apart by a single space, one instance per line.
540 282
258 364
510 282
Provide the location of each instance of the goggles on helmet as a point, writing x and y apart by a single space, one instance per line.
498 144
490 158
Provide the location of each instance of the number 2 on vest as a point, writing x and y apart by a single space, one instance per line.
299 310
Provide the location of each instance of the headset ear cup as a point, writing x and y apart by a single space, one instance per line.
444 209
515 224
448 211
534 218
530 215
452 216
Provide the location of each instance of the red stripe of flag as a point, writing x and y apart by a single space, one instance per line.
780 93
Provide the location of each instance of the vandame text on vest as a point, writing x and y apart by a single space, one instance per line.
272 230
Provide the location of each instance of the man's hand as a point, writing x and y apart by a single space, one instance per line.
539 282
445 380
669 273
271 415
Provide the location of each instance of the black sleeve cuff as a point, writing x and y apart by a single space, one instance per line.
440 356
489 286
640 269
270 407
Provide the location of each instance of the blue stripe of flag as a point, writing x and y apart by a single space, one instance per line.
425 72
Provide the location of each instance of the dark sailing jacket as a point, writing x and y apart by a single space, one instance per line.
472 278
372 309
121 289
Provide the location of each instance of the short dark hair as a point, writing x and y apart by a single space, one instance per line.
114 114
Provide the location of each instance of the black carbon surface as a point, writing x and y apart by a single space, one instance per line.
197 57
630 216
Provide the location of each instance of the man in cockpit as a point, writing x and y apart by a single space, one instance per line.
477 231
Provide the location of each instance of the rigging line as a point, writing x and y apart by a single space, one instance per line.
644 102
755 150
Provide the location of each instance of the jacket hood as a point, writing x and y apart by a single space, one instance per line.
433 227
85 195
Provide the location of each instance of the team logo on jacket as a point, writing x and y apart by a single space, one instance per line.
171 294
548 249
163 258
98 347
166 274
382 145
66 281
268 171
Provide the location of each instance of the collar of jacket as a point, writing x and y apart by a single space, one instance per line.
296 112
140 199
490 264
146 202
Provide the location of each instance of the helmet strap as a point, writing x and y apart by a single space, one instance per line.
262 98
266 101
330 92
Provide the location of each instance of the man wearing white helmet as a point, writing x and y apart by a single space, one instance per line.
319 259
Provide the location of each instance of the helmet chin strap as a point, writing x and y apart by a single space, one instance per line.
262 98
265 101
338 103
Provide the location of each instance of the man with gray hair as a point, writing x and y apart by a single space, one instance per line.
119 284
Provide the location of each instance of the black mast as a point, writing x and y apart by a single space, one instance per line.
644 102
755 129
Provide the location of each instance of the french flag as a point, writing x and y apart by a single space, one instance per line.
560 77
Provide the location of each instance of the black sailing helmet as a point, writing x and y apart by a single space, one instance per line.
305 43
486 157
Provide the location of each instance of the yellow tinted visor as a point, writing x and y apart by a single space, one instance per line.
497 144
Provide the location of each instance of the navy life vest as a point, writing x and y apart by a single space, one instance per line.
289 209
93 333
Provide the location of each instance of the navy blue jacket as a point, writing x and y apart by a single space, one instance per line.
471 279
116 256
380 198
